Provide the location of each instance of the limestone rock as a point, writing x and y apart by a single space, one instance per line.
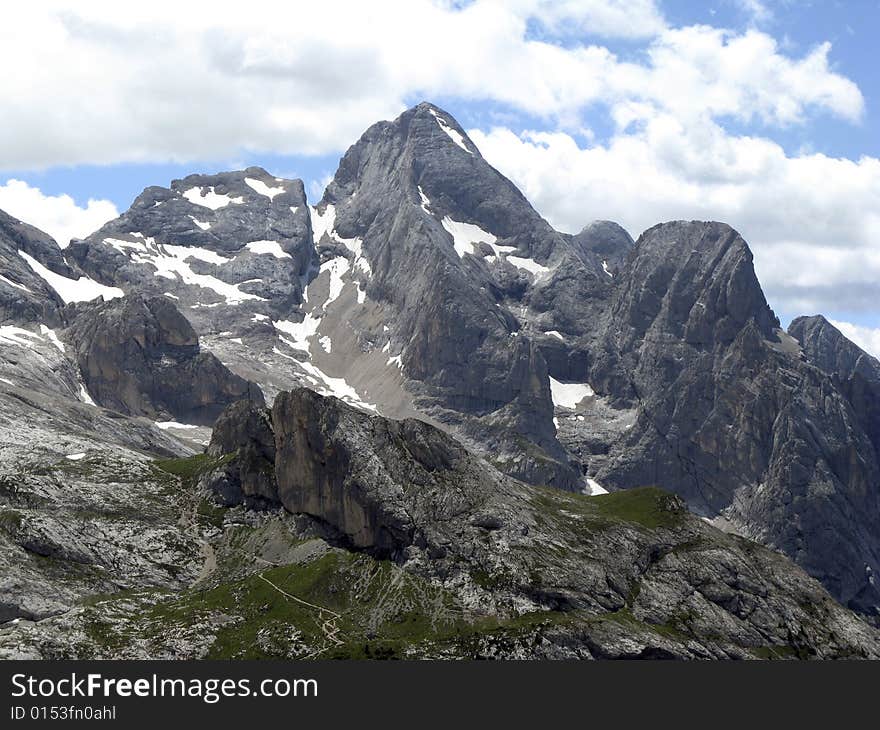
141 357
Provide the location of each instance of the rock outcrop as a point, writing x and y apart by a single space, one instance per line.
606 240
140 356
25 297
245 430
224 246
407 491
384 485
857 372
381 485
727 411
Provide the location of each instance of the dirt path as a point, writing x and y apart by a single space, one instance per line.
328 621
189 525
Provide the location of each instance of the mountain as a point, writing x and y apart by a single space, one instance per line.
730 413
406 545
856 372
485 365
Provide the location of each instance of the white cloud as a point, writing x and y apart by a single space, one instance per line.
865 337
57 215
699 71
610 18
812 221
757 10
178 81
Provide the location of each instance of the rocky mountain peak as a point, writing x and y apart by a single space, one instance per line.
424 159
225 247
695 280
607 240
829 349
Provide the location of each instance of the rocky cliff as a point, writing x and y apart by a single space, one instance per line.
141 357
407 491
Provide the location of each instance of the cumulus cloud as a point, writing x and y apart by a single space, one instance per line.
865 337
104 82
57 215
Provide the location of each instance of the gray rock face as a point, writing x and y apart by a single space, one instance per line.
141 357
244 429
857 372
25 297
457 254
407 490
224 246
382 484
606 240
727 413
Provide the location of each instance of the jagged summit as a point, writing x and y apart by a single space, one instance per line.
829 348
697 279
607 240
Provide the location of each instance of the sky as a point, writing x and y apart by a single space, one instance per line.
764 114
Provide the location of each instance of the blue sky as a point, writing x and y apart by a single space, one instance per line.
637 111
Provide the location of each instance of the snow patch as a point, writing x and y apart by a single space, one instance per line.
165 425
170 262
606 269
12 335
75 457
259 187
337 387
203 226
453 134
15 284
301 332
529 265
324 223
568 395
465 235
268 247
83 289
554 333
84 395
425 201
53 338
594 488
210 199
326 343
337 268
